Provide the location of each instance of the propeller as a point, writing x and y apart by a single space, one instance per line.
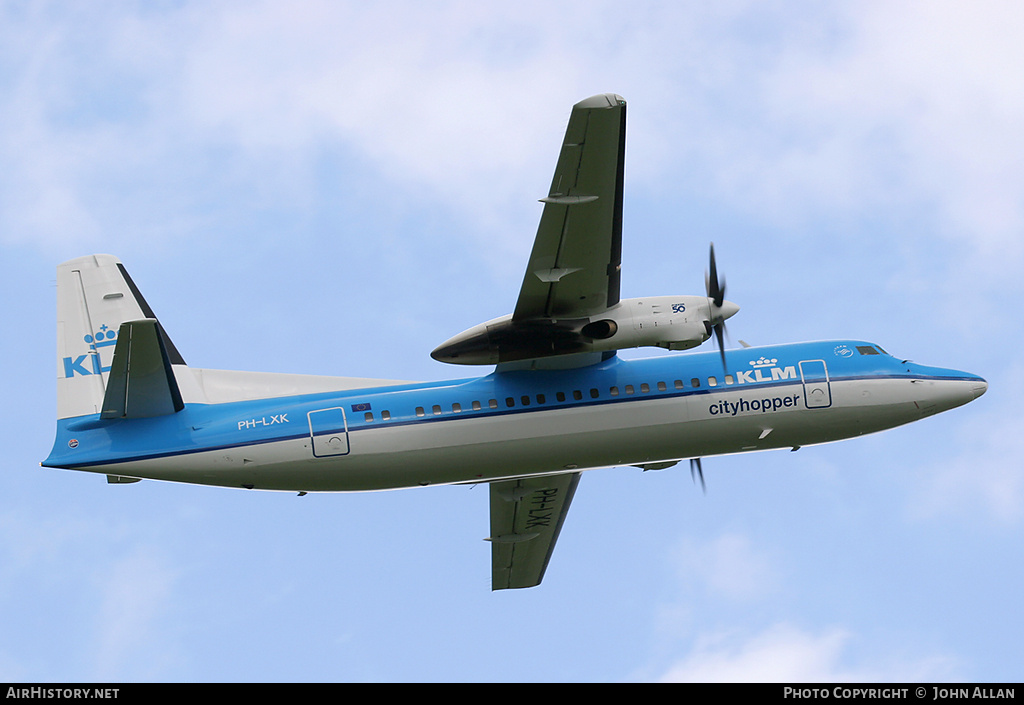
695 470
720 308
714 285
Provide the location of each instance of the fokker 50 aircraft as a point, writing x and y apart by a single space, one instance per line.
559 400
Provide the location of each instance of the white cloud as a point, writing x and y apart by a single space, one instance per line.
134 114
133 632
729 566
985 480
127 583
784 653
879 106
843 110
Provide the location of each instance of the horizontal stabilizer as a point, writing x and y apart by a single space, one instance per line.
141 382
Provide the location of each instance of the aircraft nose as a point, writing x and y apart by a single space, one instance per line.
957 392
940 393
979 387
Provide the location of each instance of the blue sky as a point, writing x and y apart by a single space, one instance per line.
336 188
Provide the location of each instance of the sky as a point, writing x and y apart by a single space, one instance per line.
336 188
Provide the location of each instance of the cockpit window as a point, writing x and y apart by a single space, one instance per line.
867 350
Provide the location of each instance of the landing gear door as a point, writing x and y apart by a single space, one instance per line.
817 392
328 432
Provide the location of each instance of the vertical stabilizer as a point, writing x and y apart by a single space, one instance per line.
95 296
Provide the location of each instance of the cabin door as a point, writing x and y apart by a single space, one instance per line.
328 431
817 391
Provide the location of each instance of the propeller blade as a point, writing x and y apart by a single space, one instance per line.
720 339
695 470
714 286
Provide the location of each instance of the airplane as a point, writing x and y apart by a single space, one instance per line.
559 400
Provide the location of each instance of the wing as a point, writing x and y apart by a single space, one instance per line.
574 267
526 516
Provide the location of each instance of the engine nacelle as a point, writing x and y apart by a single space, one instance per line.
671 322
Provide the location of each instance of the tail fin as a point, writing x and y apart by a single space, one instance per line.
95 296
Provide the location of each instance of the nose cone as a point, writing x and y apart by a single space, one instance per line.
978 387
727 310
951 393
940 389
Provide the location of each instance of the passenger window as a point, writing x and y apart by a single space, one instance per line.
368 416
662 387
525 399
493 403
629 389
385 416
594 394
476 406
644 388
540 399
728 379
694 382
577 394
510 402
560 396
614 391
419 411
712 382
679 384
437 410
456 407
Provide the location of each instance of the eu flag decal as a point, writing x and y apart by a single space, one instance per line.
360 407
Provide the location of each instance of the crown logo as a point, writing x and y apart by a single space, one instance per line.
763 362
103 338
